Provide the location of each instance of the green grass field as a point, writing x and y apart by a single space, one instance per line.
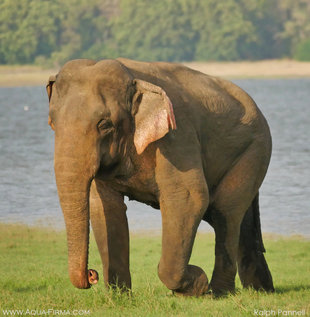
34 278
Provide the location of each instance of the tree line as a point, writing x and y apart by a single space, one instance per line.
54 31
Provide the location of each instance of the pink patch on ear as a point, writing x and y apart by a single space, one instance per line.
171 117
153 120
153 116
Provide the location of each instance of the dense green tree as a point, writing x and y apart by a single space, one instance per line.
85 28
54 31
222 28
302 51
268 22
296 25
28 29
153 30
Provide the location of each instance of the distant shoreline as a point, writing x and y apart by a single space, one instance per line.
256 69
12 76
49 228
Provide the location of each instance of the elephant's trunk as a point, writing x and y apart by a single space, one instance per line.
73 179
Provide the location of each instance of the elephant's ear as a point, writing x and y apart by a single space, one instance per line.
153 114
49 86
49 90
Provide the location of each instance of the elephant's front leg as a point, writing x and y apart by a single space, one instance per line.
183 200
181 215
109 223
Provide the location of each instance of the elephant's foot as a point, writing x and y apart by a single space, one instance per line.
254 272
222 283
117 277
197 283
224 273
193 282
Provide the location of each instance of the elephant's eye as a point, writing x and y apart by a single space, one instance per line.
105 126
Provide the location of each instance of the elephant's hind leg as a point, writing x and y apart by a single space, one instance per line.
231 200
252 266
226 247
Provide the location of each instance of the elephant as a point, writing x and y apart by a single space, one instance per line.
195 146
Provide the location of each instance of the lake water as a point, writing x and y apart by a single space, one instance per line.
28 191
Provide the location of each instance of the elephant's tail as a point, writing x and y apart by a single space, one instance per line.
257 226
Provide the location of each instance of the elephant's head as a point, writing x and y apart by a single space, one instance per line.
99 113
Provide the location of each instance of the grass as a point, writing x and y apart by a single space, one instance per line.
34 276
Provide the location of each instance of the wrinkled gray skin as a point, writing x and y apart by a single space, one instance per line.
195 146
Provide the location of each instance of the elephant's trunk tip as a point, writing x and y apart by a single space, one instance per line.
93 277
84 281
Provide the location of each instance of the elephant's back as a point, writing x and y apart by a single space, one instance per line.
201 93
